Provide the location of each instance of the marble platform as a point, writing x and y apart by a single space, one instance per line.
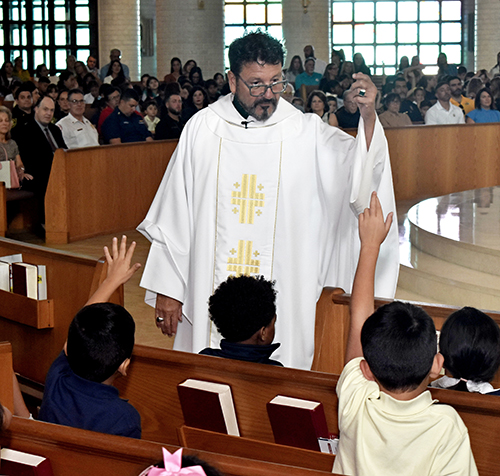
450 250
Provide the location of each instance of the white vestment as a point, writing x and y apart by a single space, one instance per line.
279 198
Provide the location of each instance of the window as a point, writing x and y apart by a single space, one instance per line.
47 31
384 31
250 15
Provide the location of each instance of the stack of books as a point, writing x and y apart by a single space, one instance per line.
27 279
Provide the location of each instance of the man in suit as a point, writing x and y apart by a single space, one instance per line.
37 140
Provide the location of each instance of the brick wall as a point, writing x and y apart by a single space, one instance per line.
301 29
119 28
185 31
488 33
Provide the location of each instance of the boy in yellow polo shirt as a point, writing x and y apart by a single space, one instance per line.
389 425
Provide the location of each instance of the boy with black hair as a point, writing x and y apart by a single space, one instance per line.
78 388
388 422
244 311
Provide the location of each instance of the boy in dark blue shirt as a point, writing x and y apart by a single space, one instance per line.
78 388
244 311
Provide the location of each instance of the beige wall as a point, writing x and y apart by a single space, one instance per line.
488 33
119 28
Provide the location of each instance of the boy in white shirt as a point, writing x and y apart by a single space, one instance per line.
388 422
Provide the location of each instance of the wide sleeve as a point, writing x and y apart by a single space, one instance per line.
369 170
168 226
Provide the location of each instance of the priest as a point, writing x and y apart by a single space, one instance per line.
255 187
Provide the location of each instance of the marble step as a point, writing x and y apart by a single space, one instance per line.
437 280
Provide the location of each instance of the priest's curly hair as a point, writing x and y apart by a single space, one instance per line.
241 306
253 47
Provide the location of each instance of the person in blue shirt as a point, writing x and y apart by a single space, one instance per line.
124 124
485 109
244 311
79 388
308 77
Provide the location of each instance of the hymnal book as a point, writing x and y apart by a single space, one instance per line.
9 260
297 422
17 463
208 406
4 276
25 279
42 282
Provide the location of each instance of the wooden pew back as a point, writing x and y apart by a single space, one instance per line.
71 279
429 161
6 387
151 386
80 453
100 190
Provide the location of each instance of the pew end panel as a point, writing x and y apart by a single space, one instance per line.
330 331
69 280
195 438
6 387
80 453
101 190
153 376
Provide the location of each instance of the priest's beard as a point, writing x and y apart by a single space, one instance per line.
266 106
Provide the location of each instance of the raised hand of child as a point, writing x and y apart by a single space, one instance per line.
119 268
372 227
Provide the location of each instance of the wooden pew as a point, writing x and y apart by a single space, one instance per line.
80 453
6 388
23 218
429 161
154 374
151 386
101 190
38 329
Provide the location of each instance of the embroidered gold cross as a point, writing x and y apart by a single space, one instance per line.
244 264
248 198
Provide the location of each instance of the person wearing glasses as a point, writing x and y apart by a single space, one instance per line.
76 129
257 188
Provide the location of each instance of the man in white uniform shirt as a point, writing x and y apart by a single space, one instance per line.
255 187
76 129
444 112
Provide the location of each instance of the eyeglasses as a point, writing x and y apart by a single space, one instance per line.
258 90
77 101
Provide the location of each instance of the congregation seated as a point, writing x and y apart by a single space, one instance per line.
470 344
457 98
407 107
114 55
22 112
150 112
38 139
485 109
171 124
309 77
348 115
197 100
244 311
79 388
77 130
62 104
111 97
391 117
444 112
124 124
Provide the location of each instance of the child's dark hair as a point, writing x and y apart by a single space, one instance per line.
241 306
100 338
399 343
470 344
146 104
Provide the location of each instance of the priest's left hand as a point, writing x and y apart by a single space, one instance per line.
365 97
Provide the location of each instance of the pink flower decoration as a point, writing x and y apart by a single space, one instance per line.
173 467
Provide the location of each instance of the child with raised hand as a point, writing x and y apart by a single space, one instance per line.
78 388
470 344
388 422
